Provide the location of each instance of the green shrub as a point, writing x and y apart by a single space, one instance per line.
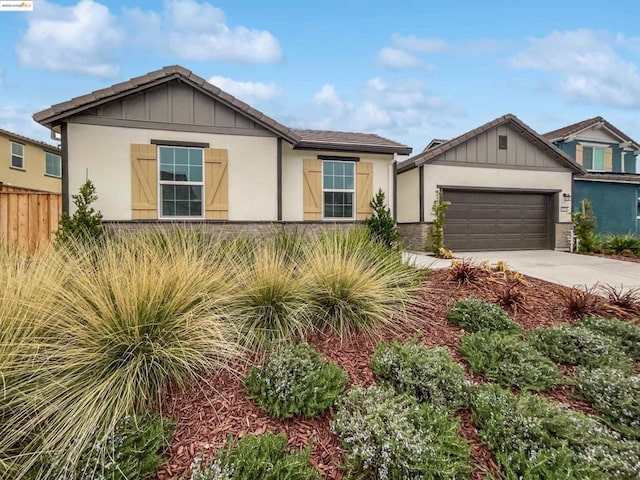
475 314
357 285
626 333
296 380
535 438
428 373
390 436
84 227
436 230
619 244
265 457
615 395
584 228
579 346
382 227
508 360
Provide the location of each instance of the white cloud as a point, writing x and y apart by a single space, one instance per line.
250 92
589 68
396 58
411 43
193 30
328 97
18 119
76 39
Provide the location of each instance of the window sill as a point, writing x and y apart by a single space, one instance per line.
18 168
181 219
53 176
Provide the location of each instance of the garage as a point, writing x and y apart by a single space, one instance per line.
489 220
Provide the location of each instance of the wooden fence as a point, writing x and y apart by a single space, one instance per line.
28 218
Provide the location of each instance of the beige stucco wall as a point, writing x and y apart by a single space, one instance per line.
103 155
33 176
292 162
408 196
464 176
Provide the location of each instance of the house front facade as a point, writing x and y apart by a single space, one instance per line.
29 164
509 189
169 146
611 182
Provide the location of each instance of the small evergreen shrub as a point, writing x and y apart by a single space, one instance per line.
626 333
537 439
265 457
390 436
428 373
475 314
84 227
436 230
615 395
508 360
579 346
381 225
296 380
584 228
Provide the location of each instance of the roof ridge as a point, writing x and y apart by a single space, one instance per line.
28 139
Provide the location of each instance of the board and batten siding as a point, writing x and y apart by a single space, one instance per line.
103 154
483 150
293 178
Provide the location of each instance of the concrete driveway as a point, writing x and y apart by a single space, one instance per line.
563 268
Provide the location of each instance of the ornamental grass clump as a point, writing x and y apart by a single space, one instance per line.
270 303
615 395
624 332
355 284
508 360
580 346
428 373
535 438
390 436
266 457
296 380
129 321
474 314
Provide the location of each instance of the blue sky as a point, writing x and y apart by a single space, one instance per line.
408 70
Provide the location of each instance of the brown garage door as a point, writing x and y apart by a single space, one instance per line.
479 220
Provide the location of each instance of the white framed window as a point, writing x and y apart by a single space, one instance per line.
338 190
593 158
52 164
17 155
181 182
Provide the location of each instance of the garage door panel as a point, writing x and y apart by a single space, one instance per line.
497 220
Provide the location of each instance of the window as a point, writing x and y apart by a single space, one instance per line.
181 182
17 155
593 158
338 189
502 142
52 164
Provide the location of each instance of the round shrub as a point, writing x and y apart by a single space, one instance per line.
296 380
428 373
626 333
390 436
474 314
265 457
615 395
579 346
508 360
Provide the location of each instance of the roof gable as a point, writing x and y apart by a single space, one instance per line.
527 150
596 128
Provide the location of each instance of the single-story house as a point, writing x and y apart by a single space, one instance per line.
509 188
612 182
169 146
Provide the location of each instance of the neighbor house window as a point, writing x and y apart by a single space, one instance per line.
17 155
181 186
338 189
638 205
593 158
52 164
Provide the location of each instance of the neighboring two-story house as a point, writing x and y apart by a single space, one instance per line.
29 163
612 182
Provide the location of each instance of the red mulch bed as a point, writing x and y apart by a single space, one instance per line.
209 412
618 257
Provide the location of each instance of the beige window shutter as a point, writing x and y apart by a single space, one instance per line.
579 154
312 188
216 183
364 189
144 181
608 159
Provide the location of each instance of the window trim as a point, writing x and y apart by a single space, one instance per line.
21 167
352 190
594 146
638 204
45 164
168 182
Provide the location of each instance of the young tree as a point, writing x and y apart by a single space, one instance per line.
85 225
381 224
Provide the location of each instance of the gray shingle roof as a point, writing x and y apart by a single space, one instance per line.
22 138
564 132
364 141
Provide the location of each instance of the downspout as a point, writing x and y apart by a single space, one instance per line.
279 176
394 173
64 153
